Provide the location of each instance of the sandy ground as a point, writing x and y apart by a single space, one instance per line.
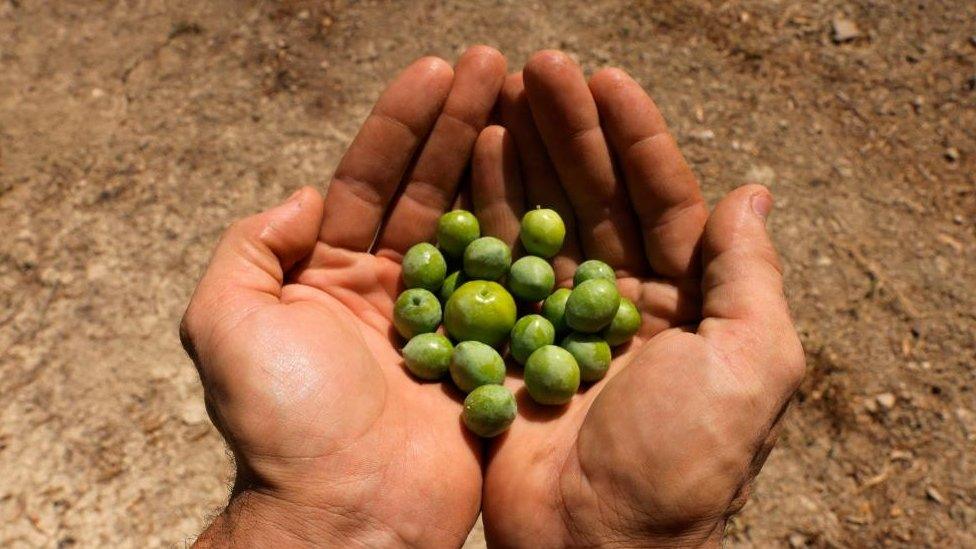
132 132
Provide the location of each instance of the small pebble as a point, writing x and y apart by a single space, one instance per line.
871 405
844 30
701 135
886 400
798 540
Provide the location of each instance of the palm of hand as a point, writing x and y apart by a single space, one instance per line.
350 407
624 457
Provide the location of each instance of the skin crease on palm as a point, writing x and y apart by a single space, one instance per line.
335 443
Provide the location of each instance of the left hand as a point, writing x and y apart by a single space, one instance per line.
661 451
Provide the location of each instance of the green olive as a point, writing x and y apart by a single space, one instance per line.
554 309
487 258
475 364
416 311
489 410
428 356
551 375
455 230
542 232
530 333
591 305
480 310
531 278
593 268
626 322
424 267
452 282
591 352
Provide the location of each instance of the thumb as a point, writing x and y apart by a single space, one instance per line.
744 309
248 266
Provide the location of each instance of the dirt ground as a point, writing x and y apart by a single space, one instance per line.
132 132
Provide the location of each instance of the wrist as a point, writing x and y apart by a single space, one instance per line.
705 536
255 518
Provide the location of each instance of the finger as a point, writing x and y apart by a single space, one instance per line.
744 309
566 115
538 175
496 187
248 266
663 190
432 182
371 170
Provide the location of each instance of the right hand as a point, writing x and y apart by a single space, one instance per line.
291 330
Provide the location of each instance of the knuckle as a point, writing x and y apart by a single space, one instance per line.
769 255
187 331
237 227
794 361
245 227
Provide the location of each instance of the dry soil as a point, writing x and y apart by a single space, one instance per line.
132 132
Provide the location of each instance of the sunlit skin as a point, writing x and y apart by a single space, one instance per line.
291 330
663 449
337 444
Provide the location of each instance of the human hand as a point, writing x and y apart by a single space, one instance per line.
291 330
664 448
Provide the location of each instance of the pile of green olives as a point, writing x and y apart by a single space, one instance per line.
469 285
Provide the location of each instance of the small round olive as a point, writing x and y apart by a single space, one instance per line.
489 410
530 333
475 364
591 305
542 232
416 311
554 309
487 258
551 375
424 267
455 230
480 310
452 282
593 268
428 356
626 322
531 278
591 352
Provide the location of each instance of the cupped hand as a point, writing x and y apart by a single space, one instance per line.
664 448
291 331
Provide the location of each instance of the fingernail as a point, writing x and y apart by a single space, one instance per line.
762 204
